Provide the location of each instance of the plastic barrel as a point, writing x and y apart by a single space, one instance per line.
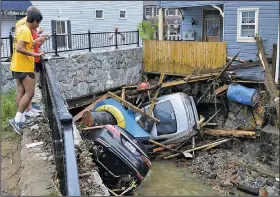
242 94
98 118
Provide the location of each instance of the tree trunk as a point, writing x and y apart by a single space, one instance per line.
269 80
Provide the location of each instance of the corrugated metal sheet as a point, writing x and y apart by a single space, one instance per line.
82 14
268 24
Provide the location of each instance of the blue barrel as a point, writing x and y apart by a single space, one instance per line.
243 95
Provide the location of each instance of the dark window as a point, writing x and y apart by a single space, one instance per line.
122 14
63 31
165 113
99 14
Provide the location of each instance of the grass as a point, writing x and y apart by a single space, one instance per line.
9 109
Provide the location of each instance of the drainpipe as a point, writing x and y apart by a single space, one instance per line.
277 57
160 22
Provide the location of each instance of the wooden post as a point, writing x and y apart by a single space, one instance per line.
160 24
269 80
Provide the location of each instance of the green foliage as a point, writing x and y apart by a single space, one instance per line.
146 30
9 109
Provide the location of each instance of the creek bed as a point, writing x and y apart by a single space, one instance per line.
165 179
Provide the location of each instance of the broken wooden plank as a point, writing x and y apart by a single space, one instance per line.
269 79
132 107
92 128
89 108
198 148
123 94
237 59
231 133
217 77
244 65
162 148
151 108
228 65
221 89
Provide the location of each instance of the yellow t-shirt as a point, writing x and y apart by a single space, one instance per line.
20 62
21 22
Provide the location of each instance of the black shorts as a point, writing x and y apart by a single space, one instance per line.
22 75
38 67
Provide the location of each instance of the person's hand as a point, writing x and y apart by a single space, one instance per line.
40 30
40 54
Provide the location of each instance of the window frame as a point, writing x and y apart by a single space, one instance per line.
123 10
239 24
151 9
167 12
102 14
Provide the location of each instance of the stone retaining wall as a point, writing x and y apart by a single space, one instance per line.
6 81
90 73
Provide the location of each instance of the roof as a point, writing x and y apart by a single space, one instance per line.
185 4
15 5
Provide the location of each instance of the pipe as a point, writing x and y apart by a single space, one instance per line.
160 23
277 56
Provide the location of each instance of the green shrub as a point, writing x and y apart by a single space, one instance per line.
9 109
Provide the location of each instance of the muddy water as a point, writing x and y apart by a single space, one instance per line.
165 179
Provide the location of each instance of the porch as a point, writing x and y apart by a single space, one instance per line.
201 21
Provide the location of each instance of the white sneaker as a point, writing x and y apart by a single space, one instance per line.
36 110
31 113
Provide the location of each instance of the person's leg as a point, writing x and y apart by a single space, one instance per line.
20 91
29 87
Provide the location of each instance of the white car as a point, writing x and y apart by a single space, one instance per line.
178 118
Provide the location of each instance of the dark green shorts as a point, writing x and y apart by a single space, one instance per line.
21 75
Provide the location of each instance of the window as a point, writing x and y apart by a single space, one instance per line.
122 14
99 14
148 11
63 31
165 113
247 24
170 12
157 11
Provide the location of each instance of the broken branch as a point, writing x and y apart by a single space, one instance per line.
232 133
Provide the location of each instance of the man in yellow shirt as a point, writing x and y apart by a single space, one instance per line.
22 65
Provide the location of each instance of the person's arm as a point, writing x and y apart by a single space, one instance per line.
21 49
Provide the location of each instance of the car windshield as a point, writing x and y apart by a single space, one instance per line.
165 113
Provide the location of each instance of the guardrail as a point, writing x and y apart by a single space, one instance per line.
61 125
75 42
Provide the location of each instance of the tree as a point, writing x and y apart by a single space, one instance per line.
146 30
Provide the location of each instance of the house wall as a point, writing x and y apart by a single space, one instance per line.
197 14
268 24
82 15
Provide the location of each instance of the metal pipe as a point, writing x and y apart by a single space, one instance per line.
277 56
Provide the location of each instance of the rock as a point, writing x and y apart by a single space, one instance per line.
226 183
234 172
270 191
230 165
212 176
254 174
211 162
262 192
269 183
231 193
34 127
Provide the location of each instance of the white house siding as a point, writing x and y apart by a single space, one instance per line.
7 22
82 14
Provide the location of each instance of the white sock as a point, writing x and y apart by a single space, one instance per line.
23 118
18 117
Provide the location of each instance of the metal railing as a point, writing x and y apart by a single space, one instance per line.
61 125
74 42
6 47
